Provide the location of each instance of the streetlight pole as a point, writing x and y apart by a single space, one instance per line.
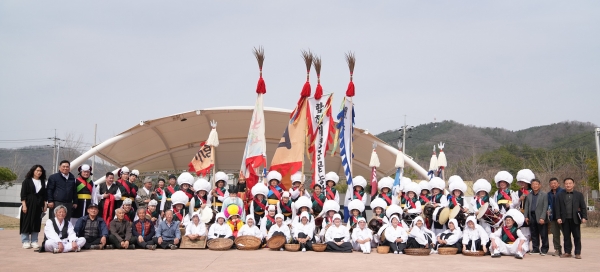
597 136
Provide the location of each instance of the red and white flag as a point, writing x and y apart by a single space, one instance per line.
322 126
256 146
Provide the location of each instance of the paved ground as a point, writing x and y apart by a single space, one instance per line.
14 258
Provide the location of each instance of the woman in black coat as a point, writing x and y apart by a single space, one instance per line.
33 201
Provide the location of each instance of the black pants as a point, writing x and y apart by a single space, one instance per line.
477 242
142 244
569 227
166 244
91 242
396 246
538 232
308 244
112 240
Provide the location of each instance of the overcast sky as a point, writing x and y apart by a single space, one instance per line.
68 65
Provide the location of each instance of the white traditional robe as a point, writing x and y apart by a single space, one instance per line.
362 234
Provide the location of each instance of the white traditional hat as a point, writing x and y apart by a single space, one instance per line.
152 203
482 185
123 169
303 201
332 176
413 187
392 209
438 183
201 184
297 177
179 197
260 189
127 201
359 181
453 179
337 216
285 194
274 175
516 215
135 172
279 216
361 219
378 202
220 215
425 185
84 167
356 204
185 178
458 185
385 182
331 205
503 176
221 176
525 175
272 208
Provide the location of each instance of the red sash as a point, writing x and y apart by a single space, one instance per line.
89 186
424 198
262 206
202 199
358 196
524 191
508 234
505 195
109 204
188 194
171 190
412 204
127 218
179 215
387 199
124 184
330 194
271 219
454 201
480 201
319 202
286 208
159 191
275 192
220 192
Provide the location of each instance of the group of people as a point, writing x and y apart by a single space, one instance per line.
119 215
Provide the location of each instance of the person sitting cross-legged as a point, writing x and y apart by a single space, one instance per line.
93 228
168 234
120 231
60 236
143 231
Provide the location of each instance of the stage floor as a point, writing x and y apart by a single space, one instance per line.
15 258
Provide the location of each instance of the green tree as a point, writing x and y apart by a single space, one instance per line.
592 173
7 176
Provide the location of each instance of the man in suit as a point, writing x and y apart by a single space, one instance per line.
555 228
536 216
571 212
145 194
62 190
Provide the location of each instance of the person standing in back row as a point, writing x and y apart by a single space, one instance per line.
571 212
536 216
62 190
555 229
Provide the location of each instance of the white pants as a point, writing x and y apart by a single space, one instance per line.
68 246
366 247
509 249
485 226
527 232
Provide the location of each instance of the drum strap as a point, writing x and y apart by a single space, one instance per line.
505 195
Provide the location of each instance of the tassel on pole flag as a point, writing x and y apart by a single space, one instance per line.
351 60
308 59
374 163
317 65
213 136
256 146
441 161
432 165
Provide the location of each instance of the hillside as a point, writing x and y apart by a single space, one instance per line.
462 141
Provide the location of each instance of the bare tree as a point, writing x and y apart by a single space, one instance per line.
17 165
71 148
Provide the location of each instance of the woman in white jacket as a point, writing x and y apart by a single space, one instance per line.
362 237
474 236
396 236
451 237
304 232
337 236
220 229
419 236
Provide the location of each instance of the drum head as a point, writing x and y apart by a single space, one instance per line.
206 215
482 210
454 212
444 215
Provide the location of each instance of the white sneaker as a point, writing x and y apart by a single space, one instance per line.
304 250
56 250
281 249
395 252
26 245
78 249
35 245
400 252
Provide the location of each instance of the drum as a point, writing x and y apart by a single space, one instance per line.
454 212
486 214
409 217
206 215
461 219
375 224
428 211
441 215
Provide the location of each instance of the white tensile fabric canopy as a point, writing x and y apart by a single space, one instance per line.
169 143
